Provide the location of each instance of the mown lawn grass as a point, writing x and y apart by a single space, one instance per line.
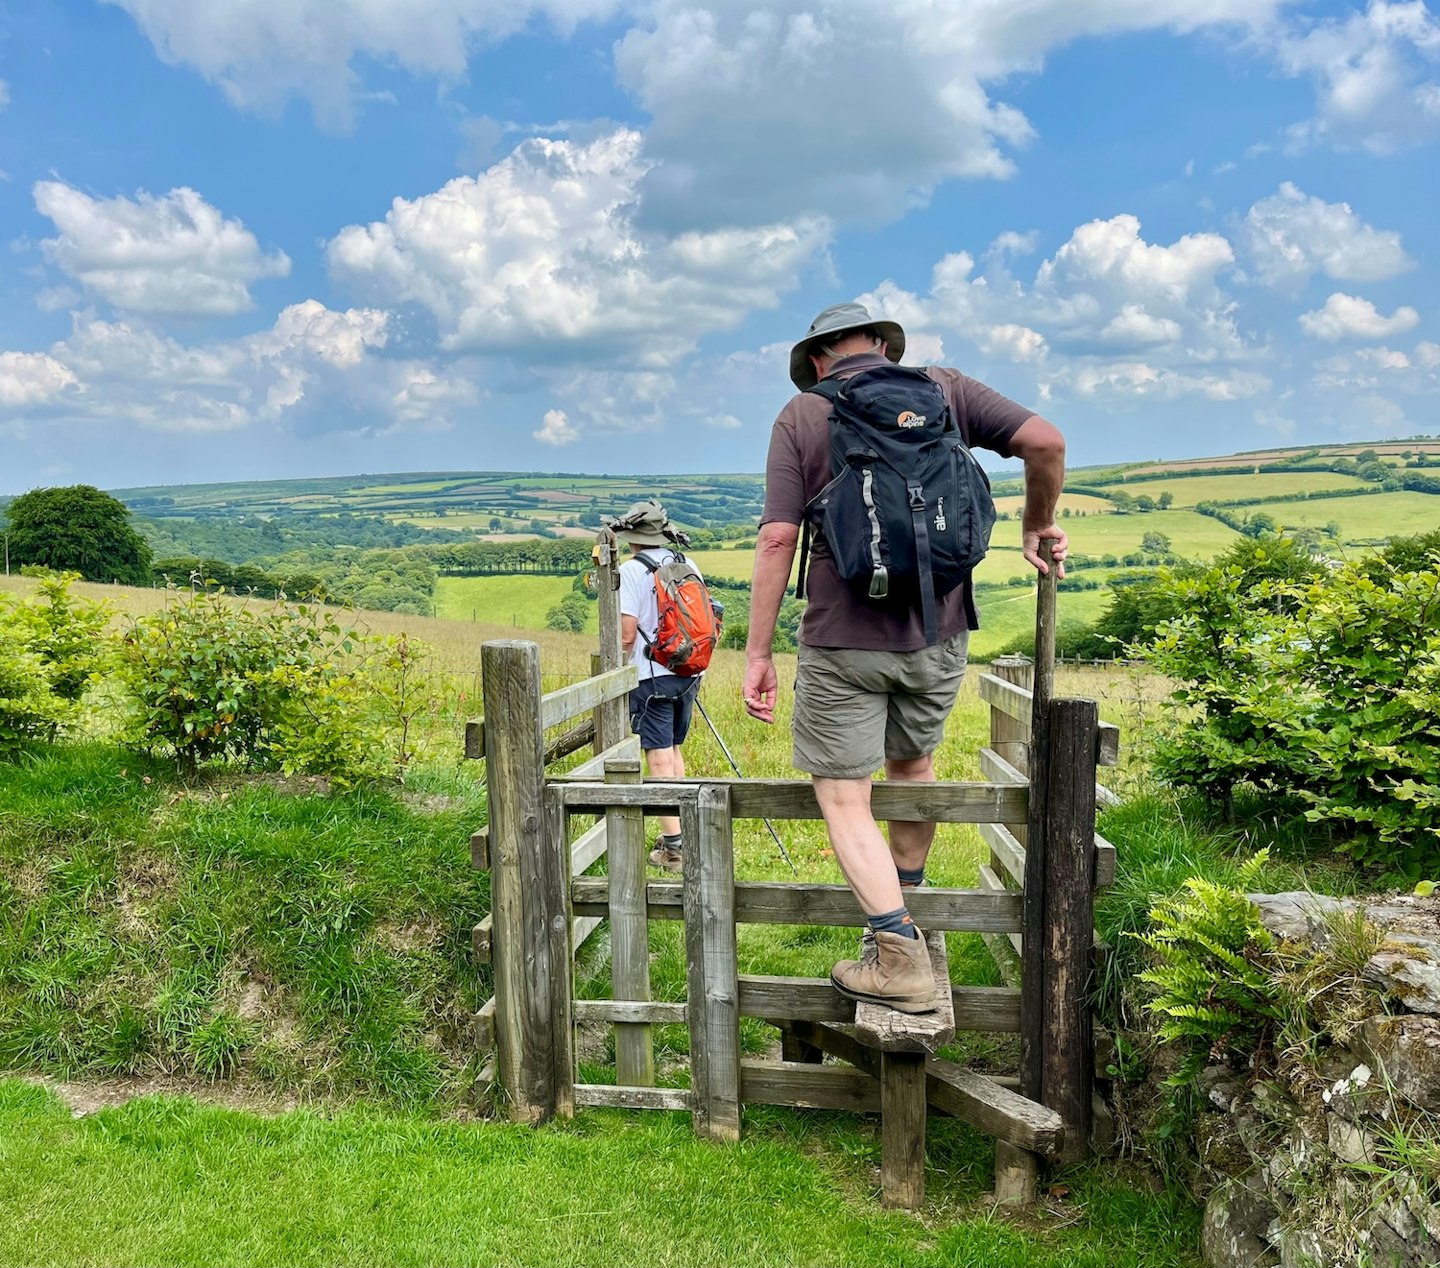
165 1181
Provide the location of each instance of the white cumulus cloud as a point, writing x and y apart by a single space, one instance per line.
173 254
1375 76
261 53
556 429
541 250
30 378
1291 236
1350 317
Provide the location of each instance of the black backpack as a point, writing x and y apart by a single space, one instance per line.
907 514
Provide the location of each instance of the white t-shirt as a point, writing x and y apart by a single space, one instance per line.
637 599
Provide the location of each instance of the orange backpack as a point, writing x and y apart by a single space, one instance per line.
689 625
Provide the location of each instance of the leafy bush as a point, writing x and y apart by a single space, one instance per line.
283 687
1325 689
30 711
1214 992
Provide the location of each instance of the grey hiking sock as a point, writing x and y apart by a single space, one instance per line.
897 921
668 842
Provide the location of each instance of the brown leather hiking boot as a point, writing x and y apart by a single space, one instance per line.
666 859
899 976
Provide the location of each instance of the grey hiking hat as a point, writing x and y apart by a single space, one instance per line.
836 321
646 524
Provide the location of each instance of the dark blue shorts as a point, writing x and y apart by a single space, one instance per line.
660 710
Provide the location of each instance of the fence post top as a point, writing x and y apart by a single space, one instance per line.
510 644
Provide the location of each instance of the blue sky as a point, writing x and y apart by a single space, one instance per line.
267 238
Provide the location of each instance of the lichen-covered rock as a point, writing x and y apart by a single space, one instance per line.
1301 1248
1237 1216
1409 972
1407 1051
1350 1142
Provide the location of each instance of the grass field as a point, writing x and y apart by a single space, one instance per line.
1365 519
518 601
1075 501
1189 490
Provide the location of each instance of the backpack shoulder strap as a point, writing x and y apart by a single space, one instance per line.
828 388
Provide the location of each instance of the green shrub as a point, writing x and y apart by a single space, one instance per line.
1214 992
283 687
30 711
1326 690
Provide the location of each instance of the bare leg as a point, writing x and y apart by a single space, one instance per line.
661 762
910 842
859 845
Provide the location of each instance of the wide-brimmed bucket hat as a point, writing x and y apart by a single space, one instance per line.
834 321
646 524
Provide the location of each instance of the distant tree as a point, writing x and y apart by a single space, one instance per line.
78 528
1145 502
1167 500
1259 524
1155 544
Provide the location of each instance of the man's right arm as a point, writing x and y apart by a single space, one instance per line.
774 555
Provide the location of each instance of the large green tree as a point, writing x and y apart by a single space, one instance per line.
78 527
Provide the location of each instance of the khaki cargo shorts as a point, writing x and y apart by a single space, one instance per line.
854 709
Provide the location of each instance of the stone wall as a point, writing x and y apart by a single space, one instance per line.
1301 1169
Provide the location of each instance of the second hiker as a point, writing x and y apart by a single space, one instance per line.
668 629
868 458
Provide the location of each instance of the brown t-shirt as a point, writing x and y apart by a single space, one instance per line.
798 467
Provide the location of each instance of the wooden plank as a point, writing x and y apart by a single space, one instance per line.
627 748
711 960
480 850
1007 851
628 1011
629 928
514 776
893 1031
792 1048
1069 932
485 1025
561 935
999 771
588 848
945 802
1107 799
1107 751
568 703
988 1009
475 739
808 1085
581 930
989 880
612 1096
902 1129
571 741
480 937
786 903
993 1109
1005 697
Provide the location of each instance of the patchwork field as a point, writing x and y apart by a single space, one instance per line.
1187 491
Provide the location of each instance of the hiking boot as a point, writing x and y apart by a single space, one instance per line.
900 976
666 859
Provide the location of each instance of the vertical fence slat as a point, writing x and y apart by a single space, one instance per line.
514 776
709 896
1068 1048
611 718
629 928
553 879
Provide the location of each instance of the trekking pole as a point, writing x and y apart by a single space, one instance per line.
713 731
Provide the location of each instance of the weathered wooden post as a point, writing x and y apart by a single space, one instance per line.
521 887
1067 1041
711 961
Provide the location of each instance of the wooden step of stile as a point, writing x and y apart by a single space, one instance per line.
892 1031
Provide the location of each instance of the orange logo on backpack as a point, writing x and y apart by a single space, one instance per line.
911 419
